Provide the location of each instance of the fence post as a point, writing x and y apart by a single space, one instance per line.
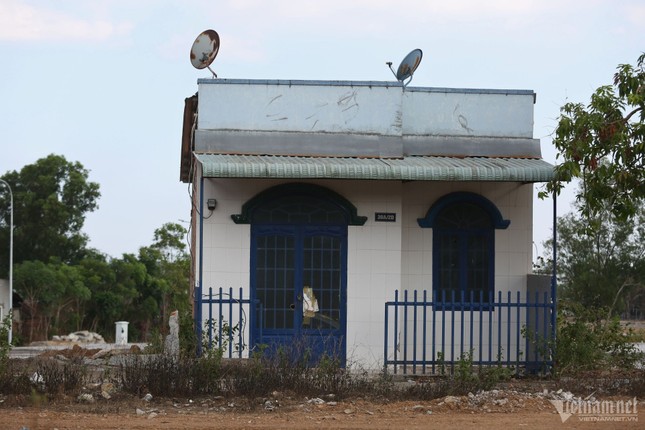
554 280
396 328
462 305
452 332
241 328
517 334
425 332
434 329
471 348
210 318
508 330
405 331
386 336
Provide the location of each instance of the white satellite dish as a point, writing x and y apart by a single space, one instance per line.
407 67
204 50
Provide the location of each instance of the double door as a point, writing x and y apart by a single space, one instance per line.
298 281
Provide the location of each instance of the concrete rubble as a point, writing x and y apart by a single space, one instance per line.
83 336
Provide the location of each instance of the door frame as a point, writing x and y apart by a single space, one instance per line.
321 339
344 214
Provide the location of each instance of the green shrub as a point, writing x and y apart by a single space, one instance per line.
588 340
466 378
5 347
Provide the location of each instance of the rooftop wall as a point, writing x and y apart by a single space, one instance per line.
361 119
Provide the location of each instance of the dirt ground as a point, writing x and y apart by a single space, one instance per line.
500 409
518 412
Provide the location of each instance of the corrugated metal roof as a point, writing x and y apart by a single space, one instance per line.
415 168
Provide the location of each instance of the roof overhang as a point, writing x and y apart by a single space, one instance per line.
411 168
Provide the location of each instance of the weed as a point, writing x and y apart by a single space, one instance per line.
5 346
187 335
466 378
222 337
156 374
15 378
52 377
587 340
441 362
155 343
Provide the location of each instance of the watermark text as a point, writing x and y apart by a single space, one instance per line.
598 410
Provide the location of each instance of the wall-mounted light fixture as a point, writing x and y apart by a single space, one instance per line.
211 204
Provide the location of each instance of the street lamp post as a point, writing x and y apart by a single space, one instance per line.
10 261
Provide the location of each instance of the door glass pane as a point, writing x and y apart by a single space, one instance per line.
275 280
321 282
448 265
464 252
478 262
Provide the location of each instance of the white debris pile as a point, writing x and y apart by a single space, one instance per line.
83 336
567 396
506 401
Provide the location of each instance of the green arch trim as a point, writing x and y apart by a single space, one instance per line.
295 190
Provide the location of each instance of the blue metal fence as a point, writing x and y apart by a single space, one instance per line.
227 323
432 334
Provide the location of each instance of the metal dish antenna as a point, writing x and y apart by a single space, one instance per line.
407 67
204 50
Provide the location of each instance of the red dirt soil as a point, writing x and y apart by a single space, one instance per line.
359 414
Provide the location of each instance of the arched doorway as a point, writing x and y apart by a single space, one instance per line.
298 268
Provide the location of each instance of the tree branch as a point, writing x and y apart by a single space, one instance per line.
629 115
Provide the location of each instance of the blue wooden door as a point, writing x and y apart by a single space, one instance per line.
298 280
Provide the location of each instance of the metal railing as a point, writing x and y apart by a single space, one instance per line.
227 325
433 334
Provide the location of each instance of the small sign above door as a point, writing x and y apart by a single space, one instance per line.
384 216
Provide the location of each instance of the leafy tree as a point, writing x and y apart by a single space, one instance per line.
167 284
115 301
602 267
603 144
37 283
52 296
66 309
588 340
174 265
66 286
47 289
51 198
169 240
99 276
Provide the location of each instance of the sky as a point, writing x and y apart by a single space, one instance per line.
103 82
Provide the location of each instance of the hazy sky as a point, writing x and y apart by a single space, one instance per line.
103 82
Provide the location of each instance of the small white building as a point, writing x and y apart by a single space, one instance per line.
6 304
318 200
4 299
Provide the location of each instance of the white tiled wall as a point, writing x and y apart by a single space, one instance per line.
512 263
499 331
4 298
382 256
513 245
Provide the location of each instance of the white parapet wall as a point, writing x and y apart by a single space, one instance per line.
374 119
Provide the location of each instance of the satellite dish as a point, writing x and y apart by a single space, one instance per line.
407 67
204 50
